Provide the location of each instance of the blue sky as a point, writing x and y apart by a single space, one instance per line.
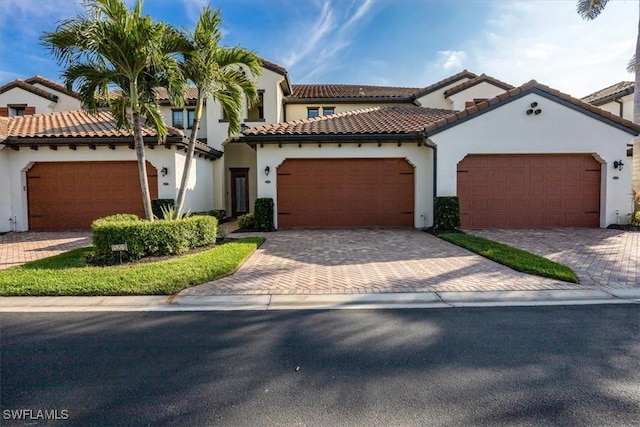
380 42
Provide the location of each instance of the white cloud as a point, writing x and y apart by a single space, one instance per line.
28 18
326 35
549 41
452 59
192 9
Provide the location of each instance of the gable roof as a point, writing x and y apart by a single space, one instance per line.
190 95
396 121
79 127
464 74
29 88
273 67
347 92
539 89
482 78
52 85
610 93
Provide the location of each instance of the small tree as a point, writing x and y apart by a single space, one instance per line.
216 71
114 47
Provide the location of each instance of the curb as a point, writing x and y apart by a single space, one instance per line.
320 302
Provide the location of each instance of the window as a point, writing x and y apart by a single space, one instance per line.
327 111
313 112
18 110
256 112
191 114
177 119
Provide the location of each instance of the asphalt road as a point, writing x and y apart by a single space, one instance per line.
565 366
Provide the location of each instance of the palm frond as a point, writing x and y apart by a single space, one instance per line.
590 9
632 65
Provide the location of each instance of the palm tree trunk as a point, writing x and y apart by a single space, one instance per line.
636 119
142 165
182 192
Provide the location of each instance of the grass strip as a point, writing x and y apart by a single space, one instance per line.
515 258
68 274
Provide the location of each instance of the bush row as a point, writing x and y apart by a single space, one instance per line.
150 238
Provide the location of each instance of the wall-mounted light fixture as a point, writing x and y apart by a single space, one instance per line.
267 169
618 165
164 171
533 109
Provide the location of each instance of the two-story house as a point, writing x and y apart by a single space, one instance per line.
332 155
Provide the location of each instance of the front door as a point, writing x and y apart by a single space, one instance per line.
239 192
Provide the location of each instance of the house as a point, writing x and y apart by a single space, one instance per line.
333 155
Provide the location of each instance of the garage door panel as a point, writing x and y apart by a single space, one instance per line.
519 191
324 193
70 195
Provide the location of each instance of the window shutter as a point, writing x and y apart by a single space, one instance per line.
29 111
4 111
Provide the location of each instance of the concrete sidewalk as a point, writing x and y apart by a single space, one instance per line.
323 302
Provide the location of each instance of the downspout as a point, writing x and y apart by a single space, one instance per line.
621 104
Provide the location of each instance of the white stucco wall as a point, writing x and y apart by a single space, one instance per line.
168 119
65 102
18 162
559 129
482 90
17 95
420 157
627 107
299 111
6 215
436 98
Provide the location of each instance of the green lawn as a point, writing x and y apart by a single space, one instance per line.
512 257
68 274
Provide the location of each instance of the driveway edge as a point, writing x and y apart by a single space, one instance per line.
319 302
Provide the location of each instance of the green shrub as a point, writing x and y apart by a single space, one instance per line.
158 204
246 222
635 219
218 214
151 238
446 213
121 217
263 215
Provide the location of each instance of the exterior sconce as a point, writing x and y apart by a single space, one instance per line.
618 165
164 171
533 109
267 169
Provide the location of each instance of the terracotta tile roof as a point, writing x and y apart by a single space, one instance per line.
190 94
52 85
535 87
273 67
464 74
610 93
376 120
475 81
73 124
29 88
4 127
338 91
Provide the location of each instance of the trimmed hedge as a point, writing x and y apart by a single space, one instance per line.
446 213
218 214
246 222
158 204
150 238
263 215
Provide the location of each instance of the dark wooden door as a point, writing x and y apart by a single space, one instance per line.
239 191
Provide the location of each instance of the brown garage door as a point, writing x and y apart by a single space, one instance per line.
529 191
326 193
70 195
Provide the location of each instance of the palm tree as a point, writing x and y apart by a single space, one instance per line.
591 9
220 72
112 47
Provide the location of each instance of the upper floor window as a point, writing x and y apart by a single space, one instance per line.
177 119
327 111
313 112
191 114
256 112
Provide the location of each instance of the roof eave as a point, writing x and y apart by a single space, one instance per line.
376 99
612 97
311 138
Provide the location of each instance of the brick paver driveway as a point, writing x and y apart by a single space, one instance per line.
367 261
18 248
606 258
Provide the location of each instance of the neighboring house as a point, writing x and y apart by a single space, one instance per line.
333 155
618 100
